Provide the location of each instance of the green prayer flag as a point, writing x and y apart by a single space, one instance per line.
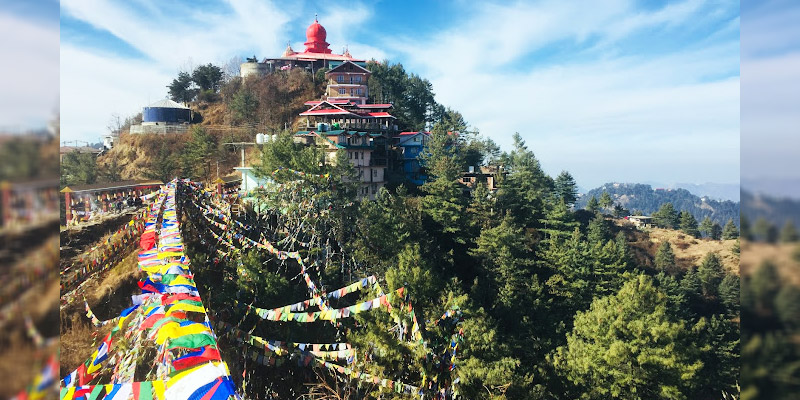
192 341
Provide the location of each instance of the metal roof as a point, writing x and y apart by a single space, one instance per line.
167 103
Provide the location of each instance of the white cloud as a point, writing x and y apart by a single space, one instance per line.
105 84
28 73
677 109
94 87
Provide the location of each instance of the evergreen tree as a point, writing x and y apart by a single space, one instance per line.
78 168
198 155
716 231
765 230
689 224
444 201
505 256
706 225
624 256
593 205
717 339
710 273
558 222
565 188
481 208
744 228
787 306
244 106
667 217
609 355
789 233
730 231
526 188
690 283
181 90
619 211
729 293
598 231
665 258
163 166
207 77
605 200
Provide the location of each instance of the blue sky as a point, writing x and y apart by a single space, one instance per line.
770 96
29 71
610 90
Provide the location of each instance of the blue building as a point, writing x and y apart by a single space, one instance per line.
411 144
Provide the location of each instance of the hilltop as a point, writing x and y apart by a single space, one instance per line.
643 198
689 251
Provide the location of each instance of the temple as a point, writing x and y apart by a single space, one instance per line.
315 56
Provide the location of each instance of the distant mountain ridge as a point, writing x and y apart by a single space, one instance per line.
637 196
776 210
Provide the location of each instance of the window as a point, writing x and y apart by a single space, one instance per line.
355 79
362 156
374 173
342 91
358 91
340 78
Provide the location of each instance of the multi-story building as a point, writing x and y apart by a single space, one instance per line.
348 81
411 144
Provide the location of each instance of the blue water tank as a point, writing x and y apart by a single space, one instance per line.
167 111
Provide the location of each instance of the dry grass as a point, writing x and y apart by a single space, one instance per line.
107 295
688 250
781 255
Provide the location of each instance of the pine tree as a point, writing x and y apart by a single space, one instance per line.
690 283
710 273
605 200
730 231
609 355
665 258
789 232
526 188
593 205
198 155
744 228
716 231
729 293
558 222
705 226
598 231
565 188
481 208
619 211
689 224
667 217
444 201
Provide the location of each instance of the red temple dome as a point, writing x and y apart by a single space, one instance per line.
315 39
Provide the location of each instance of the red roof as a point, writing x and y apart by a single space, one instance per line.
326 112
380 114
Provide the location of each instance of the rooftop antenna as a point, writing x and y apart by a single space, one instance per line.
315 18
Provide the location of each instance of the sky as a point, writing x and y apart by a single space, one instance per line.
609 90
770 132
29 95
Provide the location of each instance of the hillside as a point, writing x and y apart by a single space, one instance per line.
688 251
773 209
635 196
137 154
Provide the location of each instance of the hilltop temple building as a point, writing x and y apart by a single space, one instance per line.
316 55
